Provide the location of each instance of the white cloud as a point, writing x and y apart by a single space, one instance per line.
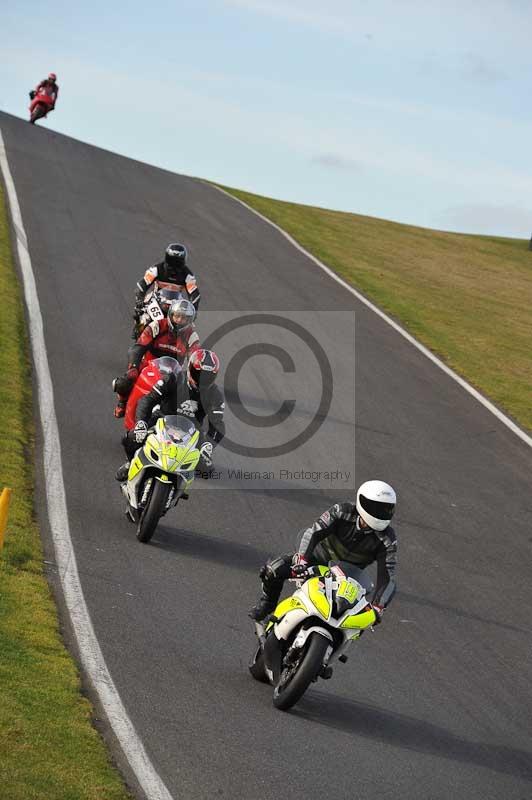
479 41
332 161
478 69
386 21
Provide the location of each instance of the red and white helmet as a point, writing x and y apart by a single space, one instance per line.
376 504
203 367
52 77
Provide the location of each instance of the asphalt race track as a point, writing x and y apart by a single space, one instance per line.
436 703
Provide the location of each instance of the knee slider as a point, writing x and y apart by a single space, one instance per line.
123 385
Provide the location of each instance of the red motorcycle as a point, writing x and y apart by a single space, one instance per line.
151 372
41 104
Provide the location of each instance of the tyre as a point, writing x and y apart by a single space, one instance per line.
154 510
287 693
37 113
257 667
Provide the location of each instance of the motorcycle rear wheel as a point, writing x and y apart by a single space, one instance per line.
286 695
153 511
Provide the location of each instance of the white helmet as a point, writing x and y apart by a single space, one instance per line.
376 504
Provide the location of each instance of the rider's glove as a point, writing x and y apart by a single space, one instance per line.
297 558
299 566
299 571
206 453
140 431
32 94
379 611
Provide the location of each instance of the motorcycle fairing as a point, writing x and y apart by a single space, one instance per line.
315 598
169 450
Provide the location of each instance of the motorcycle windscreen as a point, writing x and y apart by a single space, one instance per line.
352 571
179 429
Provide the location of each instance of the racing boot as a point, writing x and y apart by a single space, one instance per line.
120 408
121 473
263 608
273 575
123 386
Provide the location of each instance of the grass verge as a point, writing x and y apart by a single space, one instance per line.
468 298
49 748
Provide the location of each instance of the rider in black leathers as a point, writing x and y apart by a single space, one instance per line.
359 533
174 269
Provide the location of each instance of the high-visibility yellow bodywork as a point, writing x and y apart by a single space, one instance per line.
173 449
314 598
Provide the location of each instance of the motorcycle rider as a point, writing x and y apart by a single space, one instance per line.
359 533
196 396
164 298
175 336
48 86
173 270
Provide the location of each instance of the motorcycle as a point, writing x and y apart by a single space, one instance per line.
41 104
161 473
155 306
311 629
152 371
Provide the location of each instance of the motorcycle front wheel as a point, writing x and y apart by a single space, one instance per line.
153 511
298 679
38 112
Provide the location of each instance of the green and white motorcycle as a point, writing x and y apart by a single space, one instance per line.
311 629
161 472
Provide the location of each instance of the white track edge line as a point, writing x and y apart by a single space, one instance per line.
90 652
426 352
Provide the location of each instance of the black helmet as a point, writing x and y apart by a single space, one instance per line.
176 255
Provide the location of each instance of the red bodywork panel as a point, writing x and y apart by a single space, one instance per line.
144 384
42 98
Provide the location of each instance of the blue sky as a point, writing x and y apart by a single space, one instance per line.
415 111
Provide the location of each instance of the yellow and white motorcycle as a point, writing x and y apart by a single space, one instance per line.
311 629
161 472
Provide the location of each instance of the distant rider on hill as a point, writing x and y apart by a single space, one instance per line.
48 86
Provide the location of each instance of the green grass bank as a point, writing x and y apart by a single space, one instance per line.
49 749
467 298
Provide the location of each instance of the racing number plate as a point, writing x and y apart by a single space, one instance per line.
154 310
347 590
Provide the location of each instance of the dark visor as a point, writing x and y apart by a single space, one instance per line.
376 509
202 377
